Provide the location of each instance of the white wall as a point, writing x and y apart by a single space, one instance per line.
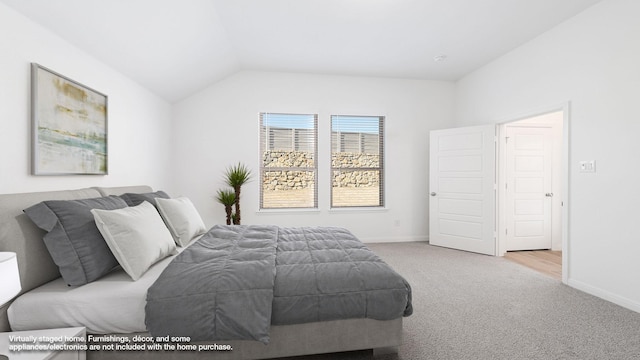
139 121
591 61
219 127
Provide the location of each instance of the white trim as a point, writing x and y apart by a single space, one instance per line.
606 295
501 243
395 239
566 162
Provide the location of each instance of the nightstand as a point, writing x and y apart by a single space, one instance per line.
56 336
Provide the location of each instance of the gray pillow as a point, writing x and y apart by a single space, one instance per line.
72 238
134 199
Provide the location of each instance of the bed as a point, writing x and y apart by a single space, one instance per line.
41 277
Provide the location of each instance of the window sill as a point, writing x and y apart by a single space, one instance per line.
358 209
287 211
351 210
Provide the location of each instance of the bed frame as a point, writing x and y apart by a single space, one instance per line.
18 234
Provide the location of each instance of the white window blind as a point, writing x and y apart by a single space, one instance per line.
288 170
357 154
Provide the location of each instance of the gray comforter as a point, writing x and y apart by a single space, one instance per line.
236 281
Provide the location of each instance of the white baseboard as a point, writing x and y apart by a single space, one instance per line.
398 239
606 295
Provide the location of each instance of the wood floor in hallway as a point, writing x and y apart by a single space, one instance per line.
545 261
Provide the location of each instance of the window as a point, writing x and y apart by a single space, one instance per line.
357 171
288 169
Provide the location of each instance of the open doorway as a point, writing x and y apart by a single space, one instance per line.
533 155
468 185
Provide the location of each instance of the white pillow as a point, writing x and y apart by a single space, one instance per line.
137 236
181 218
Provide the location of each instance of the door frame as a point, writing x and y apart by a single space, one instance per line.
501 176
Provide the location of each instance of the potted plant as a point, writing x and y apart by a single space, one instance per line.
228 199
235 177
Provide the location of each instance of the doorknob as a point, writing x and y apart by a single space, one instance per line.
433 194
548 194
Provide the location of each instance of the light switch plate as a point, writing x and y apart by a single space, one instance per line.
588 166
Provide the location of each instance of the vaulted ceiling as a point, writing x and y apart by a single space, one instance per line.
177 47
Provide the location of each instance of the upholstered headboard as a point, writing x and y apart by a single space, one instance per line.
18 234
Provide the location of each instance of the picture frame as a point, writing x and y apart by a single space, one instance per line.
69 125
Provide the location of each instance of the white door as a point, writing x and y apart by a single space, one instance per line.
462 206
528 188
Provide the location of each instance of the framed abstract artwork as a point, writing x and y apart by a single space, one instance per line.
69 126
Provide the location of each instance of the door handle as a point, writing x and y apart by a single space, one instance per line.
548 194
433 194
